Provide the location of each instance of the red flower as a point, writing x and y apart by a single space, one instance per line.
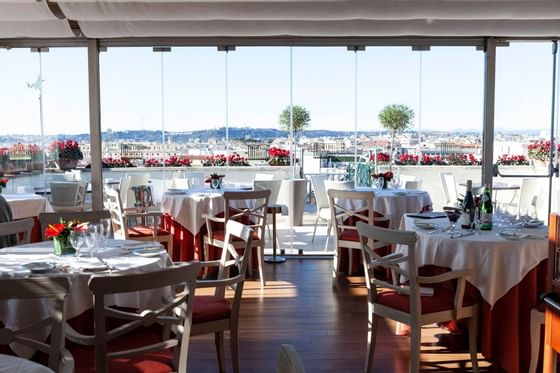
54 230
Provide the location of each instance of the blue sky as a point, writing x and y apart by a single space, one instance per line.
259 87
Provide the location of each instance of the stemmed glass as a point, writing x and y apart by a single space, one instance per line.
78 240
92 238
105 231
453 216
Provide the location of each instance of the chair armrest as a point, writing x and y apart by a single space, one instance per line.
213 218
444 276
210 263
79 338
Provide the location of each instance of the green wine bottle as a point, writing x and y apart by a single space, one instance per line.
486 210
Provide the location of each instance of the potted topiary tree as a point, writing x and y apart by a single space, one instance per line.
395 118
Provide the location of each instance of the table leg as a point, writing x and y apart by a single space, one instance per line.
274 258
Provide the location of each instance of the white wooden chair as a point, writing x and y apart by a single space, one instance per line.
449 189
56 290
68 195
250 207
288 360
10 232
336 185
121 229
402 302
413 184
180 181
173 312
214 313
134 180
274 187
322 202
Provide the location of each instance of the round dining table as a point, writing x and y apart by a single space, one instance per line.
508 267
38 259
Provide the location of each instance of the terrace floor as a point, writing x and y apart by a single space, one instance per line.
328 327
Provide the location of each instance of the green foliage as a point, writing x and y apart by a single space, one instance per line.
301 119
396 117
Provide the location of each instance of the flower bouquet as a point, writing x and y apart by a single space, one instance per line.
60 233
386 176
278 157
3 183
65 153
215 180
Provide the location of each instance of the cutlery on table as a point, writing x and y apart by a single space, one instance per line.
462 235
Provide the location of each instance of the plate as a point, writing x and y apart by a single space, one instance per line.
512 236
425 225
177 191
40 267
149 252
399 193
533 223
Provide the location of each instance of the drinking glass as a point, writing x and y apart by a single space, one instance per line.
77 239
92 238
106 229
453 217
381 181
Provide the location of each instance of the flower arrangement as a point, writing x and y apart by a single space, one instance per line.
407 159
512 160
116 162
428 160
540 150
215 180
68 150
60 234
232 159
278 157
381 157
387 176
172 161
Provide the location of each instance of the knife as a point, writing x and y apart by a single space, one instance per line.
462 235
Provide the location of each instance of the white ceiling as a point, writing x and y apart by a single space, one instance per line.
269 18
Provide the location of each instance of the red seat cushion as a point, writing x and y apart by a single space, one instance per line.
84 356
349 235
221 236
210 308
442 300
145 232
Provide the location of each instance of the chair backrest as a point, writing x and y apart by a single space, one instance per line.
233 258
416 184
134 180
55 289
68 195
372 237
529 194
272 185
363 175
348 208
124 185
11 232
114 205
263 176
404 178
143 196
339 185
248 207
179 182
177 311
46 218
288 360
449 188
318 184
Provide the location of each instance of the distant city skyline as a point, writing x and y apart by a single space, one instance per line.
259 88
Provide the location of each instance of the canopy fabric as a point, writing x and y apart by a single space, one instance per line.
270 18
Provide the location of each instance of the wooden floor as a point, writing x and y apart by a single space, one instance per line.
327 327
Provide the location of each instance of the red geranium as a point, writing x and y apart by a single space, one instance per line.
3 182
387 176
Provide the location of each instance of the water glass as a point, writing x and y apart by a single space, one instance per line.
77 239
92 238
106 229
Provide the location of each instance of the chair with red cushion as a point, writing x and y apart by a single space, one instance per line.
347 208
403 302
138 340
248 207
214 313
123 231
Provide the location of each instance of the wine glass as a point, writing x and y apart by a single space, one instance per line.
106 230
453 216
92 238
77 239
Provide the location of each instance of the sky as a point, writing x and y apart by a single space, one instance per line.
443 86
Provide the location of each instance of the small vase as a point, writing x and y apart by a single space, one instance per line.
216 183
385 184
67 164
62 246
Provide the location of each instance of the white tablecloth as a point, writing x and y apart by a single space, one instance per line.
27 205
17 313
14 364
397 202
189 207
498 264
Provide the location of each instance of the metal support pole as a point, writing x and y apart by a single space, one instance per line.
95 124
488 121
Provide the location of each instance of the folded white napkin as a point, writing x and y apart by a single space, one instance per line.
15 270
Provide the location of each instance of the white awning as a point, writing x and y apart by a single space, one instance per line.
269 18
